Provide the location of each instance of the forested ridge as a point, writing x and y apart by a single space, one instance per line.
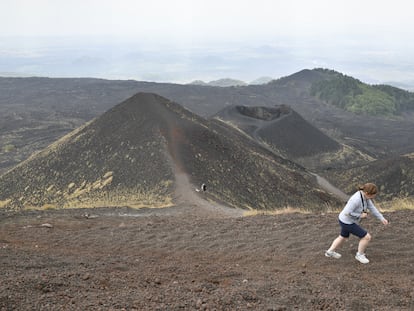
355 96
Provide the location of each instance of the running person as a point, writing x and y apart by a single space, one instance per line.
356 209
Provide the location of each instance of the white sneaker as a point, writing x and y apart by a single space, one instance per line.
333 254
361 258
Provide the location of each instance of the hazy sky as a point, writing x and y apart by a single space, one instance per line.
207 39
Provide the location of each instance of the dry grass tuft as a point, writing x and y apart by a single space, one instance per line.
4 203
390 206
286 210
398 205
39 208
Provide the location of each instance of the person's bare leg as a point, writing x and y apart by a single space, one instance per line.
336 243
363 243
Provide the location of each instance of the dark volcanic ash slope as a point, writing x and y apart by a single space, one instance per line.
36 111
394 176
109 162
281 128
129 157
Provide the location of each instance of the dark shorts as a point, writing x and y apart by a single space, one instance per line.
354 229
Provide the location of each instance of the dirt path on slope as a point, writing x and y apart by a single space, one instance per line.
197 203
326 185
188 200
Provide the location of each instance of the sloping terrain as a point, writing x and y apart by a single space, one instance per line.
131 155
121 259
287 134
34 112
379 137
110 161
281 128
394 176
197 254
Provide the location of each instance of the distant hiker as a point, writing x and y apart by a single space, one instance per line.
356 209
202 188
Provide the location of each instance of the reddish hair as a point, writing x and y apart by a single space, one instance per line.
369 188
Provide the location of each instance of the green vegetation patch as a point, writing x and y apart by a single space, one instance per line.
372 101
9 148
352 95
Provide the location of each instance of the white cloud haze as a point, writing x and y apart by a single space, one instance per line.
183 40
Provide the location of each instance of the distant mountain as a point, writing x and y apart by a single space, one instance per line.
409 85
286 133
232 82
221 82
131 155
198 82
376 136
280 127
261 80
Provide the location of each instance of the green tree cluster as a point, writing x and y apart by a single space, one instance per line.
404 99
372 101
352 95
